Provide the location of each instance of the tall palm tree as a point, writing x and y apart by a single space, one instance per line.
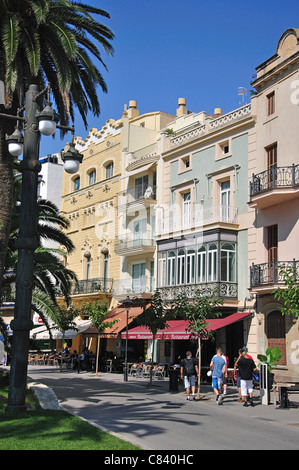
41 42
49 271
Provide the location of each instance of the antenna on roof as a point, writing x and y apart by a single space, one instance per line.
242 92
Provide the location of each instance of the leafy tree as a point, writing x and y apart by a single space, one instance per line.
50 276
64 320
289 294
41 42
97 312
155 317
197 313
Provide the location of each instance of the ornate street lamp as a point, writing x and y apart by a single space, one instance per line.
35 123
127 303
71 159
15 143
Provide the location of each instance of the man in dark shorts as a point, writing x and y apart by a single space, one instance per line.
189 370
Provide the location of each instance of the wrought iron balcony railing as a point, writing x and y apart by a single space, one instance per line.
221 290
90 286
271 273
274 177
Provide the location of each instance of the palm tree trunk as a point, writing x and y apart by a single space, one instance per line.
6 191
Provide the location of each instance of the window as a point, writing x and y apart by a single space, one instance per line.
77 183
92 177
271 164
228 262
106 258
186 209
171 268
201 264
138 272
162 270
224 148
212 262
109 170
141 185
190 274
181 267
87 267
139 231
271 103
225 200
272 243
184 164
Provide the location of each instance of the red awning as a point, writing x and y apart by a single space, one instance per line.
178 329
119 313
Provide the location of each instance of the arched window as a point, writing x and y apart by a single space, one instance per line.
109 169
201 264
92 176
162 270
76 182
190 274
171 268
228 262
212 262
105 269
276 333
87 266
181 267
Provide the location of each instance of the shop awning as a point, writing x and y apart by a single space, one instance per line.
118 313
178 329
42 332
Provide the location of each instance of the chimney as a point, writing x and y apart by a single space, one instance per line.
133 111
182 107
217 111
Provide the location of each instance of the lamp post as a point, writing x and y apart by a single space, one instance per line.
34 124
127 304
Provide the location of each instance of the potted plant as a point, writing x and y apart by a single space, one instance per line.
271 357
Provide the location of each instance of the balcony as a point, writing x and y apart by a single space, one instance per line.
90 286
141 194
266 276
218 215
143 287
274 186
130 246
221 290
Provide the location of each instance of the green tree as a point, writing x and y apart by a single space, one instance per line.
97 312
64 320
50 276
155 316
41 42
197 313
289 294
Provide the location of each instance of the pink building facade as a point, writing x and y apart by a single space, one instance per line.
274 198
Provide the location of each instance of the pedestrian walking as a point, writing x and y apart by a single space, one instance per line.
189 371
246 368
219 367
237 372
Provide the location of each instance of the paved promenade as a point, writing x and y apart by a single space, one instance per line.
156 419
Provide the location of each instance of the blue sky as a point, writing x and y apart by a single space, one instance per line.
167 49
